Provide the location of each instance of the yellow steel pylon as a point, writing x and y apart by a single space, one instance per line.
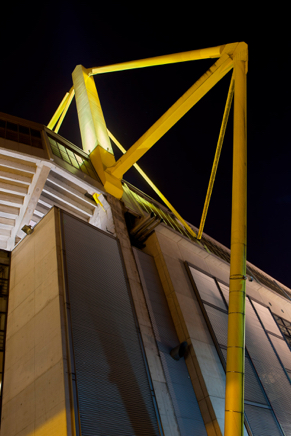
95 139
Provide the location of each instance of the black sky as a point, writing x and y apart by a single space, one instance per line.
42 45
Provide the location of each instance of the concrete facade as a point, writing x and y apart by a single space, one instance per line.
35 398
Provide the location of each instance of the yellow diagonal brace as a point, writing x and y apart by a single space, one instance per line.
216 157
68 102
193 55
153 186
58 112
182 106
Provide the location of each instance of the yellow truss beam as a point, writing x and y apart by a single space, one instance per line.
154 187
65 110
221 67
216 157
186 56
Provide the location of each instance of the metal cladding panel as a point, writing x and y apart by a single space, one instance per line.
218 321
207 288
253 390
176 373
113 389
267 319
283 351
225 291
269 369
261 421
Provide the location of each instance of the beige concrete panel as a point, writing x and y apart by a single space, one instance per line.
178 275
168 246
48 323
155 365
45 238
141 309
210 424
47 290
46 267
148 338
21 290
49 390
19 344
211 368
18 415
171 234
194 258
22 259
19 376
22 314
198 330
252 290
47 354
218 268
52 422
189 307
196 249
166 409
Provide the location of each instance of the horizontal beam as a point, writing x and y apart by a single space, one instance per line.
13 189
17 166
11 199
79 196
193 55
13 177
48 191
221 67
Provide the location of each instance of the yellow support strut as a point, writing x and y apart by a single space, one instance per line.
234 394
68 103
216 158
192 55
153 186
58 112
221 67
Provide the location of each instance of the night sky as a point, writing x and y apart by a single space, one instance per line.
40 48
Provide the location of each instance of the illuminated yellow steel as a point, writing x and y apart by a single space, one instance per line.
153 186
68 103
91 120
58 112
97 201
221 67
193 55
234 394
216 157
93 129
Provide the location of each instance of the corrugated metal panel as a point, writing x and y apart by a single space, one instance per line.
178 380
253 389
261 421
218 321
113 389
269 369
270 325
